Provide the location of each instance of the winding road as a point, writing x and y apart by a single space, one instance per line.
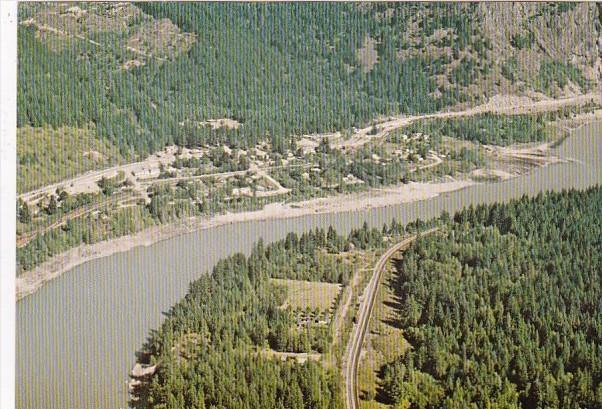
354 348
85 182
495 106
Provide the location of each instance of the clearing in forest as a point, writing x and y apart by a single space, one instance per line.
309 294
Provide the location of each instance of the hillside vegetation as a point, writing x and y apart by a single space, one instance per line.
243 89
205 354
146 75
48 155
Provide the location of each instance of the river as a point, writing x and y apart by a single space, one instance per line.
77 335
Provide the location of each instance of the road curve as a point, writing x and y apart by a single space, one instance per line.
354 347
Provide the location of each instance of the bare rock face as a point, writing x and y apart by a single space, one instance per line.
530 34
557 33
524 48
144 37
367 56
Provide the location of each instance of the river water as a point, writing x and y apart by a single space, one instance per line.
77 335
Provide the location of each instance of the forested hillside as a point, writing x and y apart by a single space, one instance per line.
247 93
505 309
144 76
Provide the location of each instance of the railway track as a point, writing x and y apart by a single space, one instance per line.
354 348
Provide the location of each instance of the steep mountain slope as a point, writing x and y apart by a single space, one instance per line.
553 47
148 75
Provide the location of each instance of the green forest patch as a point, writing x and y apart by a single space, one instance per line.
202 348
138 71
386 341
558 73
504 309
487 128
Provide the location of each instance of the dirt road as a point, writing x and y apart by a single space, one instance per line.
150 166
354 348
498 105
79 212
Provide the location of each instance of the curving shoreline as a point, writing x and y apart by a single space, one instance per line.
30 281
118 300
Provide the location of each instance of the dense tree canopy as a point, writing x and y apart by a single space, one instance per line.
502 309
505 309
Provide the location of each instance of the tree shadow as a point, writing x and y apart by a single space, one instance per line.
395 301
139 394
381 395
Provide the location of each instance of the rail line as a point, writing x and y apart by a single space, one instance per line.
358 334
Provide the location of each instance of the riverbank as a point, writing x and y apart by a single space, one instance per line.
538 156
119 299
30 281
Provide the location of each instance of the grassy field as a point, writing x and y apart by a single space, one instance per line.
300 357
312 294
47 155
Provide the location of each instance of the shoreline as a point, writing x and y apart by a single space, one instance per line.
30 281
